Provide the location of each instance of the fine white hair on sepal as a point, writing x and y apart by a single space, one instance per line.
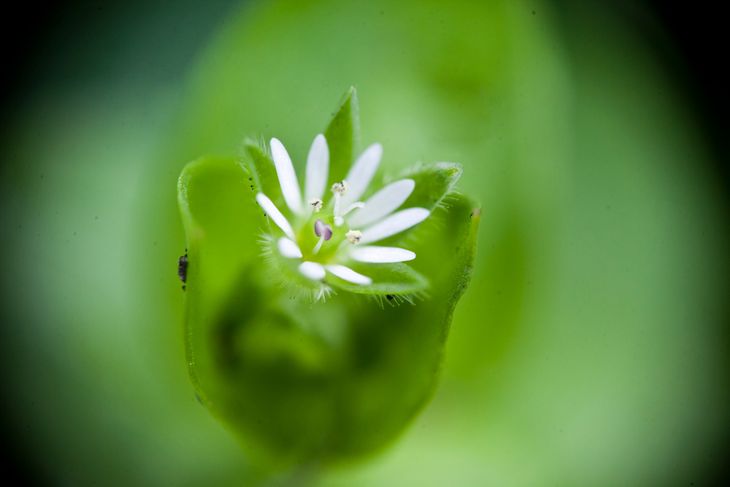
317 169
394 224
322 293
287 177
266 243
289 249
395 300
312 270
362 173
347 274
383 203
279 219
381 255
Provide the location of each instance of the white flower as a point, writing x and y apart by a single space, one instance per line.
328 235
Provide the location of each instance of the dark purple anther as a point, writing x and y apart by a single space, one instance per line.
322 229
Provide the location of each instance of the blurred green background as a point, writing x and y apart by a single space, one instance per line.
590 348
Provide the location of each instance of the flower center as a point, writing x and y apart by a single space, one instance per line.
320 240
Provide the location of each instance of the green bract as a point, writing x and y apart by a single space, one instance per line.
302 379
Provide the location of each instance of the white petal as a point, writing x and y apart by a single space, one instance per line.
381 255
287 176
395 223
347 274
289 249
361 173
383 203
312 270
318 163
274 213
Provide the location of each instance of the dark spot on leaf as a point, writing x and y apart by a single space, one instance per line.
182 268
389 297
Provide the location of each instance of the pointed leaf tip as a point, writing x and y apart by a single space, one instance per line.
343 135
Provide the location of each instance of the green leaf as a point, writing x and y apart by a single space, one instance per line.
343 135
219 215
261 171
394 353
217 211
300 381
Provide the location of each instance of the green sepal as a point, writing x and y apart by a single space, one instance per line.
433 182
259 167
343 136
388 279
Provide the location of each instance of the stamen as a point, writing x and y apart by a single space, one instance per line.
354 206
353 236
316 204
339 189
316 248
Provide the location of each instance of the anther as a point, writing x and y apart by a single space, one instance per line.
353 236
316 204
340 187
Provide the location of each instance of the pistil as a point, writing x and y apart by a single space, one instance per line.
324 232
